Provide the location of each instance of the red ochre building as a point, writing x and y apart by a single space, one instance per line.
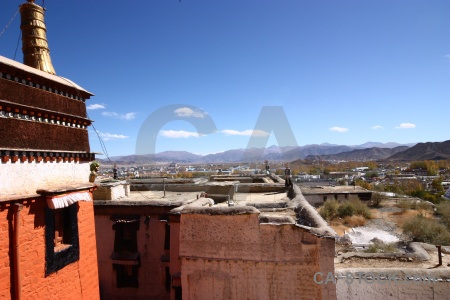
47 233
162 239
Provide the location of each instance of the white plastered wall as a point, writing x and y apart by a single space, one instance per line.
23 178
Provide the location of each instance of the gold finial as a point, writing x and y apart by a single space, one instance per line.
35 49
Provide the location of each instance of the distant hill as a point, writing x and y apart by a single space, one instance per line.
273 153
425 151
304 151
166 156
374 153
382 145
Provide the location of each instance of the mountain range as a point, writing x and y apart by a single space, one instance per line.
425 151
325 151
374 153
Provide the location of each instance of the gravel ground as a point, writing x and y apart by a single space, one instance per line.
390 209
383 224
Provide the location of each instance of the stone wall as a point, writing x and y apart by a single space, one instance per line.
228 254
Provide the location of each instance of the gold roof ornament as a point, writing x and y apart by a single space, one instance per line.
35 49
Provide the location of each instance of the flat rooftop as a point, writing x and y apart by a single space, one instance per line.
328 189
274 203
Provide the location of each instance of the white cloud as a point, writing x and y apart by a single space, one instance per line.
248 132
376 127
95 106
178 134
111 136
187 112
128 116
406 126
338 129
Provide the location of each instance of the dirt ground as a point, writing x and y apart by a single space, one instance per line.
390 218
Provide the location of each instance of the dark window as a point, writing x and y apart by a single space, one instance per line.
63 230
126 236
167 237
127 276
178 293
168 279
125 257
61 238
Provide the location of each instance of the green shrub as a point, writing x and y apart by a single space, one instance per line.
351 207
329 209
443 210
414 204
345 210
376 199
360 208
425 230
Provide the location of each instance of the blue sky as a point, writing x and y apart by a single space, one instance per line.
344 72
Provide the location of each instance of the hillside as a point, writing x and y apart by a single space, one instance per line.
425 151
360 154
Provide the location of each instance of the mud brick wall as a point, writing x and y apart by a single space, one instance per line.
236 257
78 280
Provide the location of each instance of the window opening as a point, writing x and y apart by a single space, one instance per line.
61 238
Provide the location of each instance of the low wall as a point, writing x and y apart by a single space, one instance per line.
111 191
377 283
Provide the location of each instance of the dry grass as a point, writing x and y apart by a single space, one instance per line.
355 221
339 228
344 225
382 248
400 218
408 204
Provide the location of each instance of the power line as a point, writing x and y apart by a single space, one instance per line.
17 46
7 25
